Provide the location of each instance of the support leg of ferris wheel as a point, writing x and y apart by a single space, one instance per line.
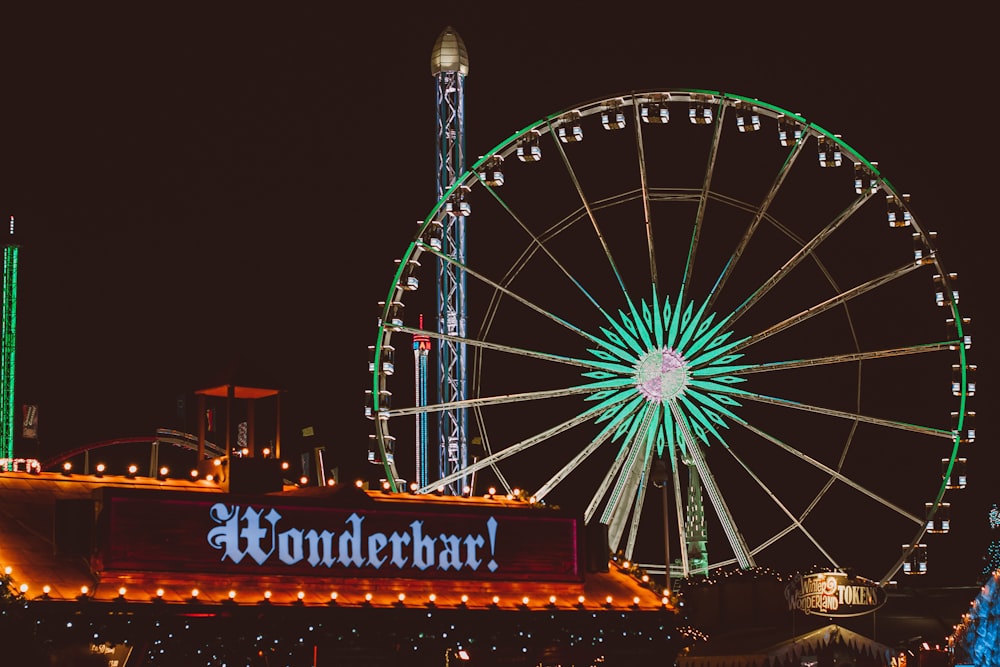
736 541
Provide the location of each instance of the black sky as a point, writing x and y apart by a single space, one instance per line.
217 194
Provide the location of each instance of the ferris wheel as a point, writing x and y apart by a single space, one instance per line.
708 323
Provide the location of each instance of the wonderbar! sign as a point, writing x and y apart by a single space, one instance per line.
264 535
834 594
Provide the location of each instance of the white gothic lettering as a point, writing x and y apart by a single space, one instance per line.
245 532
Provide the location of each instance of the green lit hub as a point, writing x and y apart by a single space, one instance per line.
661 375
663 362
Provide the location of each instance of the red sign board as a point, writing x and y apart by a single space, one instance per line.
265 535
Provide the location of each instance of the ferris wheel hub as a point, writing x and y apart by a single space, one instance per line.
661 375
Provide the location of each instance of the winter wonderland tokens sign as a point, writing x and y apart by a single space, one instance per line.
834 594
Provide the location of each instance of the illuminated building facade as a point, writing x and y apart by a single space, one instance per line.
182 572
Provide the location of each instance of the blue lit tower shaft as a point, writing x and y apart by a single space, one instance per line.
8 339
421 349
449 66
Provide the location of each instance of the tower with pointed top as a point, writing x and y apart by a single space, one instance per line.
449 67
8 340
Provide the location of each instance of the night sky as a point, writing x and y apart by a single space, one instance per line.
218 195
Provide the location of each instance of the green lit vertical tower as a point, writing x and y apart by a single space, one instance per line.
8 345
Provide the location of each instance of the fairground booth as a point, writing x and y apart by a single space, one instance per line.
239 567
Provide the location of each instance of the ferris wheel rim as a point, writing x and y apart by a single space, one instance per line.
548 124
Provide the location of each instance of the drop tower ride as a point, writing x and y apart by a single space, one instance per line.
449 67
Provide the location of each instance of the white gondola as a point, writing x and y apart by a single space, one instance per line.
570 130
897 210
829 152
491 171
970 380
408 279
966 340
384 403
916 562
959 476
395 316
941 296
612 116
654 111
387 366
941 521
789 131
458 203
700 113
433 235
922 248
968 431
864 179
747 117
374 455
528 148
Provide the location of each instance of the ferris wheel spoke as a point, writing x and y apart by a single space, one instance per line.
625 340
639 498
832 302
623 495
796 522
605 484
804 252
617 416
518 447
539 242
633 432
842 414
703 198
590 214
487 447
614 350
832 473
736 540
519 351
495 400
758 216
630 487
575 462
644 184
832 359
